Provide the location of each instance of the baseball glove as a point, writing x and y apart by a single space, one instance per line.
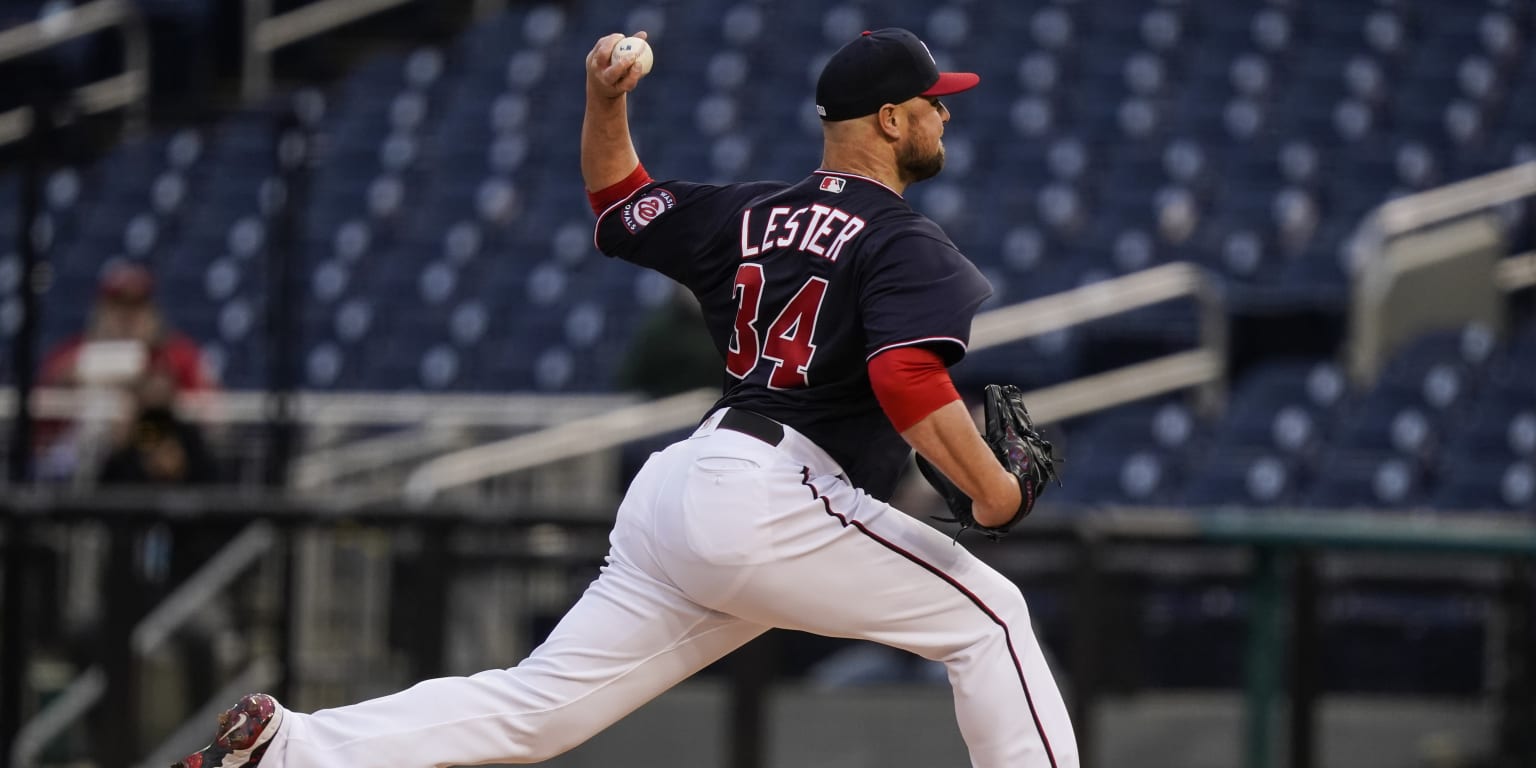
1017 445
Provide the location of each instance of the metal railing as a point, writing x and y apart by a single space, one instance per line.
420 425
1453 228
330 465
1431 207
1516 273
266 34
128 90
563 441
1203 367
342 409
570 426
149 634
1285 576
1434 207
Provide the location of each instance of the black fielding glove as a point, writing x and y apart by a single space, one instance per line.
1018 446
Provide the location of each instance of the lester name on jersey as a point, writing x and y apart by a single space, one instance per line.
801 285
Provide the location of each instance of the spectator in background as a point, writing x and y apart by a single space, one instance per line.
126 345
156 446
127 337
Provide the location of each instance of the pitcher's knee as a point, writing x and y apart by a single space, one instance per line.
1005 602
1002 630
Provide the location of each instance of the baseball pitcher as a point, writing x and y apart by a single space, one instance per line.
837 309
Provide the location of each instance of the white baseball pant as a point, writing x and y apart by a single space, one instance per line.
720 537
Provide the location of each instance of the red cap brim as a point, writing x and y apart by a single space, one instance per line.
952 82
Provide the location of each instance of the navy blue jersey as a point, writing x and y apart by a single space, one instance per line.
801 285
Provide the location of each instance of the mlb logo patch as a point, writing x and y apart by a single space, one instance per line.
832 184
645 210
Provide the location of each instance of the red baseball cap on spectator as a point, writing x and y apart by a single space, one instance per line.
127 283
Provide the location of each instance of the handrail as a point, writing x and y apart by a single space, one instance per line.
1112 297
128 89
323 467
266 34
249 546
56 28
61 711
1515 273
1476 533
1395 218
1204 367
341 409
1424 221
1433 206
578 425
1090 302
564 441
427 423
245 549
260 675
1138 381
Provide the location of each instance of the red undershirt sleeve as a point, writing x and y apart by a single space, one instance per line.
910 383
601 199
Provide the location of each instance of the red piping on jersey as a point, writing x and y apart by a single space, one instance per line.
856 176
910 383
1018 666
613 193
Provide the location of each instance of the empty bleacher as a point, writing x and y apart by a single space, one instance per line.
445 244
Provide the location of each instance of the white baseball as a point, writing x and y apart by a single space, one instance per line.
636 49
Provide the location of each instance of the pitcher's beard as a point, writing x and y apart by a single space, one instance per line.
917 167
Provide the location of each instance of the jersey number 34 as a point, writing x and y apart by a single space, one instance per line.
788 340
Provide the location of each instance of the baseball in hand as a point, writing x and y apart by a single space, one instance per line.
636 49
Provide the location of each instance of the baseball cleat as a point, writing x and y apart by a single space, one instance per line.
244 732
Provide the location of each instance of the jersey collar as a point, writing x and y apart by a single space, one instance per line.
876 182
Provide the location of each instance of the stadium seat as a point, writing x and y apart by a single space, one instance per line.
1467 349
1348 479
1478 484
1390 423
1111 476
1248 479
449 191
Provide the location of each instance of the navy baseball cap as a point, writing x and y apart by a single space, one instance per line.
886 66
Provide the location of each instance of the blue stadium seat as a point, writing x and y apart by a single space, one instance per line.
1250 479
1107 476
1103 133
1389 423
1468 348
1498 429
1477 484
1372 480
1162 424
